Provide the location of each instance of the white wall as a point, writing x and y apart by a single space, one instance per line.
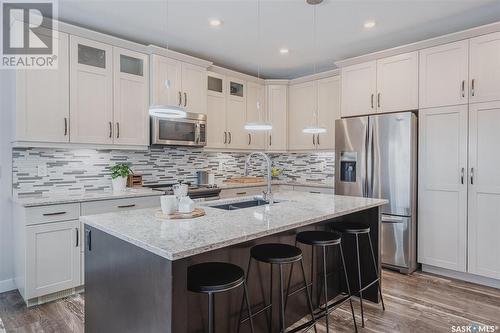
7 100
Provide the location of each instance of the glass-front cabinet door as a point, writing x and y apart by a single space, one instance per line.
131 97
91 91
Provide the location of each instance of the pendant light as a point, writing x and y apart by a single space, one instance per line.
314 128
167 111
261 125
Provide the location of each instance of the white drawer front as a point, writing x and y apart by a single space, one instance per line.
116 205
312 189
242 192
52 213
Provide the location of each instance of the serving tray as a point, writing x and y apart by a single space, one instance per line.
197 212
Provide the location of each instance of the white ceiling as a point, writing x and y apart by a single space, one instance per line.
285 23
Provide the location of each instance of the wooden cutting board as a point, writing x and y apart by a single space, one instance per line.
197 212
244 180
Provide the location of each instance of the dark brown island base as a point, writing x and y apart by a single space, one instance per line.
136 282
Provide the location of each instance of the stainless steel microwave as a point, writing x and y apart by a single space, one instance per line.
189 131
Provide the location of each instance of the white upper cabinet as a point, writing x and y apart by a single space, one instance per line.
484 189
194 88
485 68
255 112
328 111
444 75
303 101
216 111
166 76
277 115
42 99
397 83
359 85
91 91
237 136
177 83
442 204
131 100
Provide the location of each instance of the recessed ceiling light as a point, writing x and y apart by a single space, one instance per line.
369 24
215 22
284 51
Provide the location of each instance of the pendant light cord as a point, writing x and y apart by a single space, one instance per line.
166 22
258 39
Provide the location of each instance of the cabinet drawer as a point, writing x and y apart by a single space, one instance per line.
312 189
242 192
108 206
52 213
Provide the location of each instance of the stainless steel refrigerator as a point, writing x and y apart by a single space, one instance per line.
376 156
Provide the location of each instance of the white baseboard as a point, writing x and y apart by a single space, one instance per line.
7 285
462 276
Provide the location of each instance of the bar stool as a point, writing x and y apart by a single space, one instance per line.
215 277
279 254
325 239
357 229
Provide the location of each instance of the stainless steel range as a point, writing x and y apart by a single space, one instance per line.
194 191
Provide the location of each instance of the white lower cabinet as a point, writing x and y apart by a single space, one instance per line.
49 245
442 211
484 190
459 188
52 257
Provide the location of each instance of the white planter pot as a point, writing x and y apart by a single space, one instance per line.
119 184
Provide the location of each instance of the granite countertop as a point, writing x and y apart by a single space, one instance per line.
177 239
55 199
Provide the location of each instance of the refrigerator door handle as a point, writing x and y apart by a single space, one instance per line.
370 154
392 219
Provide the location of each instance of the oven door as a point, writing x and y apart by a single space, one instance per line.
176 132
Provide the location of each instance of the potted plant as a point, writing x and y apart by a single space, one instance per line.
119 174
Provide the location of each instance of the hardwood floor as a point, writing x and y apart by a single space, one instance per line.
417 303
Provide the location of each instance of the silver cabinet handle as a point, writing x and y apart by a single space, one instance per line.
185 99
462 175
463 88
180 98
230 138
225 137
110 130
315 192
241 193
249 139
117 130
65 126
378 100
314 140
126 206
473 87
317 140
77 238
52 214
472 176
270 140
371 98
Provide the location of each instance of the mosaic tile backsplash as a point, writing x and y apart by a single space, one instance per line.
82 170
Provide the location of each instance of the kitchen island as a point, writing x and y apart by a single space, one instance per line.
136 264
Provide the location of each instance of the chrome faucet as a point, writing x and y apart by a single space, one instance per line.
267 196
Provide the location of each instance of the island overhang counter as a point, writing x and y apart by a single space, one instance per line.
136 263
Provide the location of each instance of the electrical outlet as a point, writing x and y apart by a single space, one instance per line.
42 169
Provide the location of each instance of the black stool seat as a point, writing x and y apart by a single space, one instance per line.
275 253
319 238
214 277
352 228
